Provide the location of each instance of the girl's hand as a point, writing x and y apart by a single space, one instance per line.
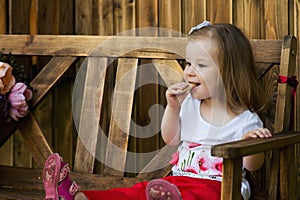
176 94
258 133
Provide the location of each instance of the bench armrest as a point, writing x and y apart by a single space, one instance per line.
233 153
241 148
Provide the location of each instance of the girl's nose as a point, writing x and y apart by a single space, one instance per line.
189 70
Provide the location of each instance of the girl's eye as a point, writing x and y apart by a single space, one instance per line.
200 65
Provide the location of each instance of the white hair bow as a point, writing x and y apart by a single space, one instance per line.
199 26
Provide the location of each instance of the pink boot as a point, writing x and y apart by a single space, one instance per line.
57 182
160 189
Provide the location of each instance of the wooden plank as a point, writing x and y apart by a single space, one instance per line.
121 117
276 18
35 139
48 14
219 11
169 18
246 147
84 17
3 16
296 31
128 17
249 17
17 194
88 127
193 13
288 180
105 20
169 70
66 17
31 179
22 156
147 16
63 129
19 18
159 166
148 47
33 17
287 68
272 189
49 75
231 180
6 151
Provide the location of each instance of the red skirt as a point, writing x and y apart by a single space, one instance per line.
190 189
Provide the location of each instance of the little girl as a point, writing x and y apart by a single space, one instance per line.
216 103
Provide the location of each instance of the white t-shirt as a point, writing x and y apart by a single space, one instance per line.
197 137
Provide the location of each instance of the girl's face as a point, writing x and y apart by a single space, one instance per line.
202 68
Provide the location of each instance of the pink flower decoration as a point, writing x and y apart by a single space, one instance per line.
175 158
218 166
7 80
18 98
193 145
191 170
202 164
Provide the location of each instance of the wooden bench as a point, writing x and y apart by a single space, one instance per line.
110 103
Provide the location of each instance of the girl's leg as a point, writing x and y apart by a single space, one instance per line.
196 188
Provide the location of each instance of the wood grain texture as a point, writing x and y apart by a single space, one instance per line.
121 117
193 13
248 16
219 11
50 74
88 127
3 16
170 17
35 139
232 175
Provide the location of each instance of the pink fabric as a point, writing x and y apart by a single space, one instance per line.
190 188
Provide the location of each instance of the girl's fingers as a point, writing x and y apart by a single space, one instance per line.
261 133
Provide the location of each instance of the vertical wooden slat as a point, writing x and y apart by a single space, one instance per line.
296 31
147 16
66 17
170 17
19 23
106 22
3 16
288 180
121 117
7 149
124 17
88 127
84 17
276 19
128 17
219 11
34 23
249 16
231 180
193 13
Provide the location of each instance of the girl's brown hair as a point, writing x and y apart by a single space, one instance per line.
237 67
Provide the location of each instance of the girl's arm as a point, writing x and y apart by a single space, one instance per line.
170 125
254 162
